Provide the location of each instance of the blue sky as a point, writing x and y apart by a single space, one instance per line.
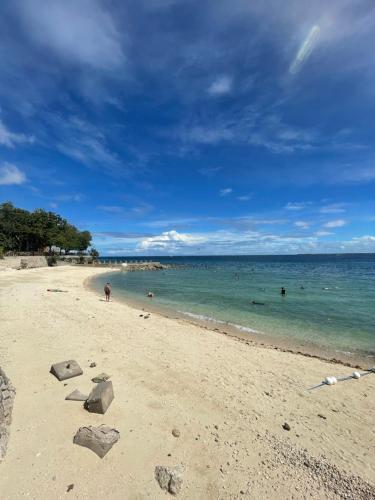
186 127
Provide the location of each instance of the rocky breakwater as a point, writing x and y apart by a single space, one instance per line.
145 266
7 394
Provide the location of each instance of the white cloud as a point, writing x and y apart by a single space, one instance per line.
10 174
206 134
322 233
364 239
335 223
112 209
335 208
222 85
86 143
225 191
68 197
78 32
301 224
244 198
169 241
296 205
364 243
10 139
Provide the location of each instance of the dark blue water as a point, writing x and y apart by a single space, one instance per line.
329 302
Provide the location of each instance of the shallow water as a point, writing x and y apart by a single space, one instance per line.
335 308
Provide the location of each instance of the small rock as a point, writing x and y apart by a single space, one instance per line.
76 396
98 439
93 364
169 478
102 377
70 487
286 426
176 433
322 416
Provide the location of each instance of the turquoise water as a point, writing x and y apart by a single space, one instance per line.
335 308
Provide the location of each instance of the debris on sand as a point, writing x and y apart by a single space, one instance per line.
66 369
76 395
98 439
169 478
176 433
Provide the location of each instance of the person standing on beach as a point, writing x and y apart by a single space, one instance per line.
107 291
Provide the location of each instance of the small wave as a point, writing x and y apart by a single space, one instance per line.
347 353
202 317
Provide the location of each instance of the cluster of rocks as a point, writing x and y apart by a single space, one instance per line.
7 394
98 439
101 439
152 266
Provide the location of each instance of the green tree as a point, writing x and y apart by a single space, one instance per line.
37 231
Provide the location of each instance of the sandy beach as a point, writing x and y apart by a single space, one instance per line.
228 399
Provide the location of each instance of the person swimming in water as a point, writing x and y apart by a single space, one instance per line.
283 291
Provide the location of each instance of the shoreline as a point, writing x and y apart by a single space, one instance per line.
267 341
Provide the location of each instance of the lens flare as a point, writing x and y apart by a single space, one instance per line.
305 50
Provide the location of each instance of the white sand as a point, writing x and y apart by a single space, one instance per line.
169 374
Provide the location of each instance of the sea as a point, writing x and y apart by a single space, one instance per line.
329 303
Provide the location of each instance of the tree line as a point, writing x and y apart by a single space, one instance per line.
39 232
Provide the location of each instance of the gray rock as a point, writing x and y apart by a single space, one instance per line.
176 433
98 439
7 395
169 478
66 369
100 398
102 377
76 395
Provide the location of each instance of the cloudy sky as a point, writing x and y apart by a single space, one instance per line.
187 127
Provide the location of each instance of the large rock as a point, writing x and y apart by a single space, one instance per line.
98 439
100 398
66 369
7 394
169 478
